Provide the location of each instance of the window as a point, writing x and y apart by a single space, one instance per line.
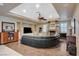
63 27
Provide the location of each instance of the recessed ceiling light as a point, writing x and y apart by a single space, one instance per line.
37 6
24 11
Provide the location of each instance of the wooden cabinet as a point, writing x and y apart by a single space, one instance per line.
5 37
16 36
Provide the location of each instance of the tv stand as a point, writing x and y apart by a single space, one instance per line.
7 37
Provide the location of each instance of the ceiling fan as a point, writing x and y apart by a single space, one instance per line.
40 17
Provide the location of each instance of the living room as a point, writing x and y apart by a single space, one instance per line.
31 27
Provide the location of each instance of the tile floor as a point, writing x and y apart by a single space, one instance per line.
25 50
6 51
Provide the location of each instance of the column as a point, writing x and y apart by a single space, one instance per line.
20 30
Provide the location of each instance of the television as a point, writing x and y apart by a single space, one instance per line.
27 30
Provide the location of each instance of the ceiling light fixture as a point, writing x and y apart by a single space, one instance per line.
24 11
37 6
40 17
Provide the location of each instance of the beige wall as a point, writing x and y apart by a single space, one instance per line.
76 16
35 28
45 28
7 19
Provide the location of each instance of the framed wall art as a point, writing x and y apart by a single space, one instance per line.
8 27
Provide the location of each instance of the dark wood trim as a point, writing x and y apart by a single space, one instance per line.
74 26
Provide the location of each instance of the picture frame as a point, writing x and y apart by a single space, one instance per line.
8 27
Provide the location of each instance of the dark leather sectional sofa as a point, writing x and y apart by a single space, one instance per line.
40 42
